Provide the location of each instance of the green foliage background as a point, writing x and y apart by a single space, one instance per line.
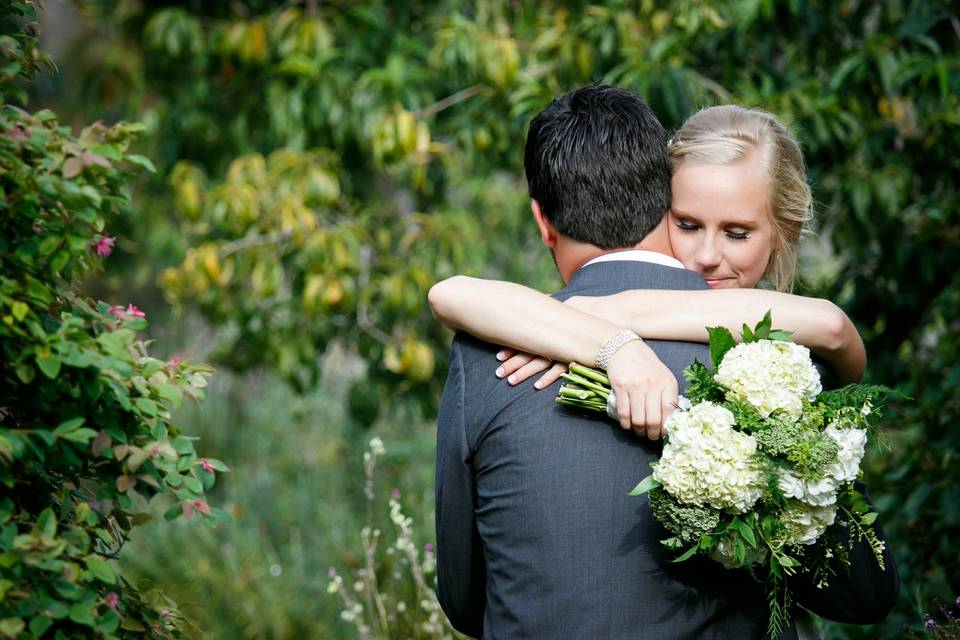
321 165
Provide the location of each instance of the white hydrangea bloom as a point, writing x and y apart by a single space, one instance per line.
806 523
819 492
770 375
852 443
707 462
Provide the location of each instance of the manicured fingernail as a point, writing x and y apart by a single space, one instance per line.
512 379
501 355
499 372
538 384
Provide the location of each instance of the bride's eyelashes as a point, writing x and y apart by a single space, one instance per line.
733 234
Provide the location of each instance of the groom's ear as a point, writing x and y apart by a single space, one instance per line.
547 232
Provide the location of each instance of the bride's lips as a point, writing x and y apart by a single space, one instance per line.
713 283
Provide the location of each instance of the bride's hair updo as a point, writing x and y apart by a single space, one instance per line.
725 135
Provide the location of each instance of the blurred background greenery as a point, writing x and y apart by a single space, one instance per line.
321 164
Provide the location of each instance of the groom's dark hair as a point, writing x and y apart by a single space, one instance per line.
596 162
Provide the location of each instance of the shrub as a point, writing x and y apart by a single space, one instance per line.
86 436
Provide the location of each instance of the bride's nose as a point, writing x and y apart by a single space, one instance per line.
708 254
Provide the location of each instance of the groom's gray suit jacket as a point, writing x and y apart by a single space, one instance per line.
536 536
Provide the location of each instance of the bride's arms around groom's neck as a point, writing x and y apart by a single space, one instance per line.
816 323
519 317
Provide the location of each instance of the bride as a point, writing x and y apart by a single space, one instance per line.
740 201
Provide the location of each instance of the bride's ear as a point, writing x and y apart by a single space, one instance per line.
547 231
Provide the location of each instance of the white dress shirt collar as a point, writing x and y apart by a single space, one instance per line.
638 255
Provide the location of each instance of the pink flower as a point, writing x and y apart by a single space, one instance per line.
105 245
112 600
428 547
117 312
136 313
202 507
207 466
395 494
331 571
175 361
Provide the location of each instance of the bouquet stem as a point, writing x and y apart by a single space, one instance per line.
586 389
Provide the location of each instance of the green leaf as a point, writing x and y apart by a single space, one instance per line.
101 569
108 622
644 486
688 553
39 624
67 426
142 161
146 405
780 334
762 330
19 310
49 365
721 341
26 372
11 627
47 523
747 532
80 436
220 466
81 614
192 484
173 512
869 518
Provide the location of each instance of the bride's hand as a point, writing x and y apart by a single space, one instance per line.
518 366
646 389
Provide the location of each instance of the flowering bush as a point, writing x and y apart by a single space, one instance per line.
408 607
85 427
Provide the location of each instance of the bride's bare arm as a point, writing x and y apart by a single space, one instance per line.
683 315
520 317
517 316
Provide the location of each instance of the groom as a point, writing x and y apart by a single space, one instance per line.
536 537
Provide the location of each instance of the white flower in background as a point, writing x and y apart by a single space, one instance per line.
707 462
819 492
852 443
805 523
770 375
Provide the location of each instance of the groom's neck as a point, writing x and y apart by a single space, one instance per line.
570 255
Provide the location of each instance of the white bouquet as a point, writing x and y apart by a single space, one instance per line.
758 461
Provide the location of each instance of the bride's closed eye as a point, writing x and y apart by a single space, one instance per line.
733 234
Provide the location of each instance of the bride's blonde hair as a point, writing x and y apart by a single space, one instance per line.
727 134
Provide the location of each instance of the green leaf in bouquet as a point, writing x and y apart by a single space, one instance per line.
868 518
781 335
644 486
721 341
701 384
746 531
689 553
762 330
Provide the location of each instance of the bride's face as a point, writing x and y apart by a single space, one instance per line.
720 222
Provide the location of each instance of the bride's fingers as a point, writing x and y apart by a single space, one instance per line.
551 376
506 353
668 403
513 363
653 415
533 367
